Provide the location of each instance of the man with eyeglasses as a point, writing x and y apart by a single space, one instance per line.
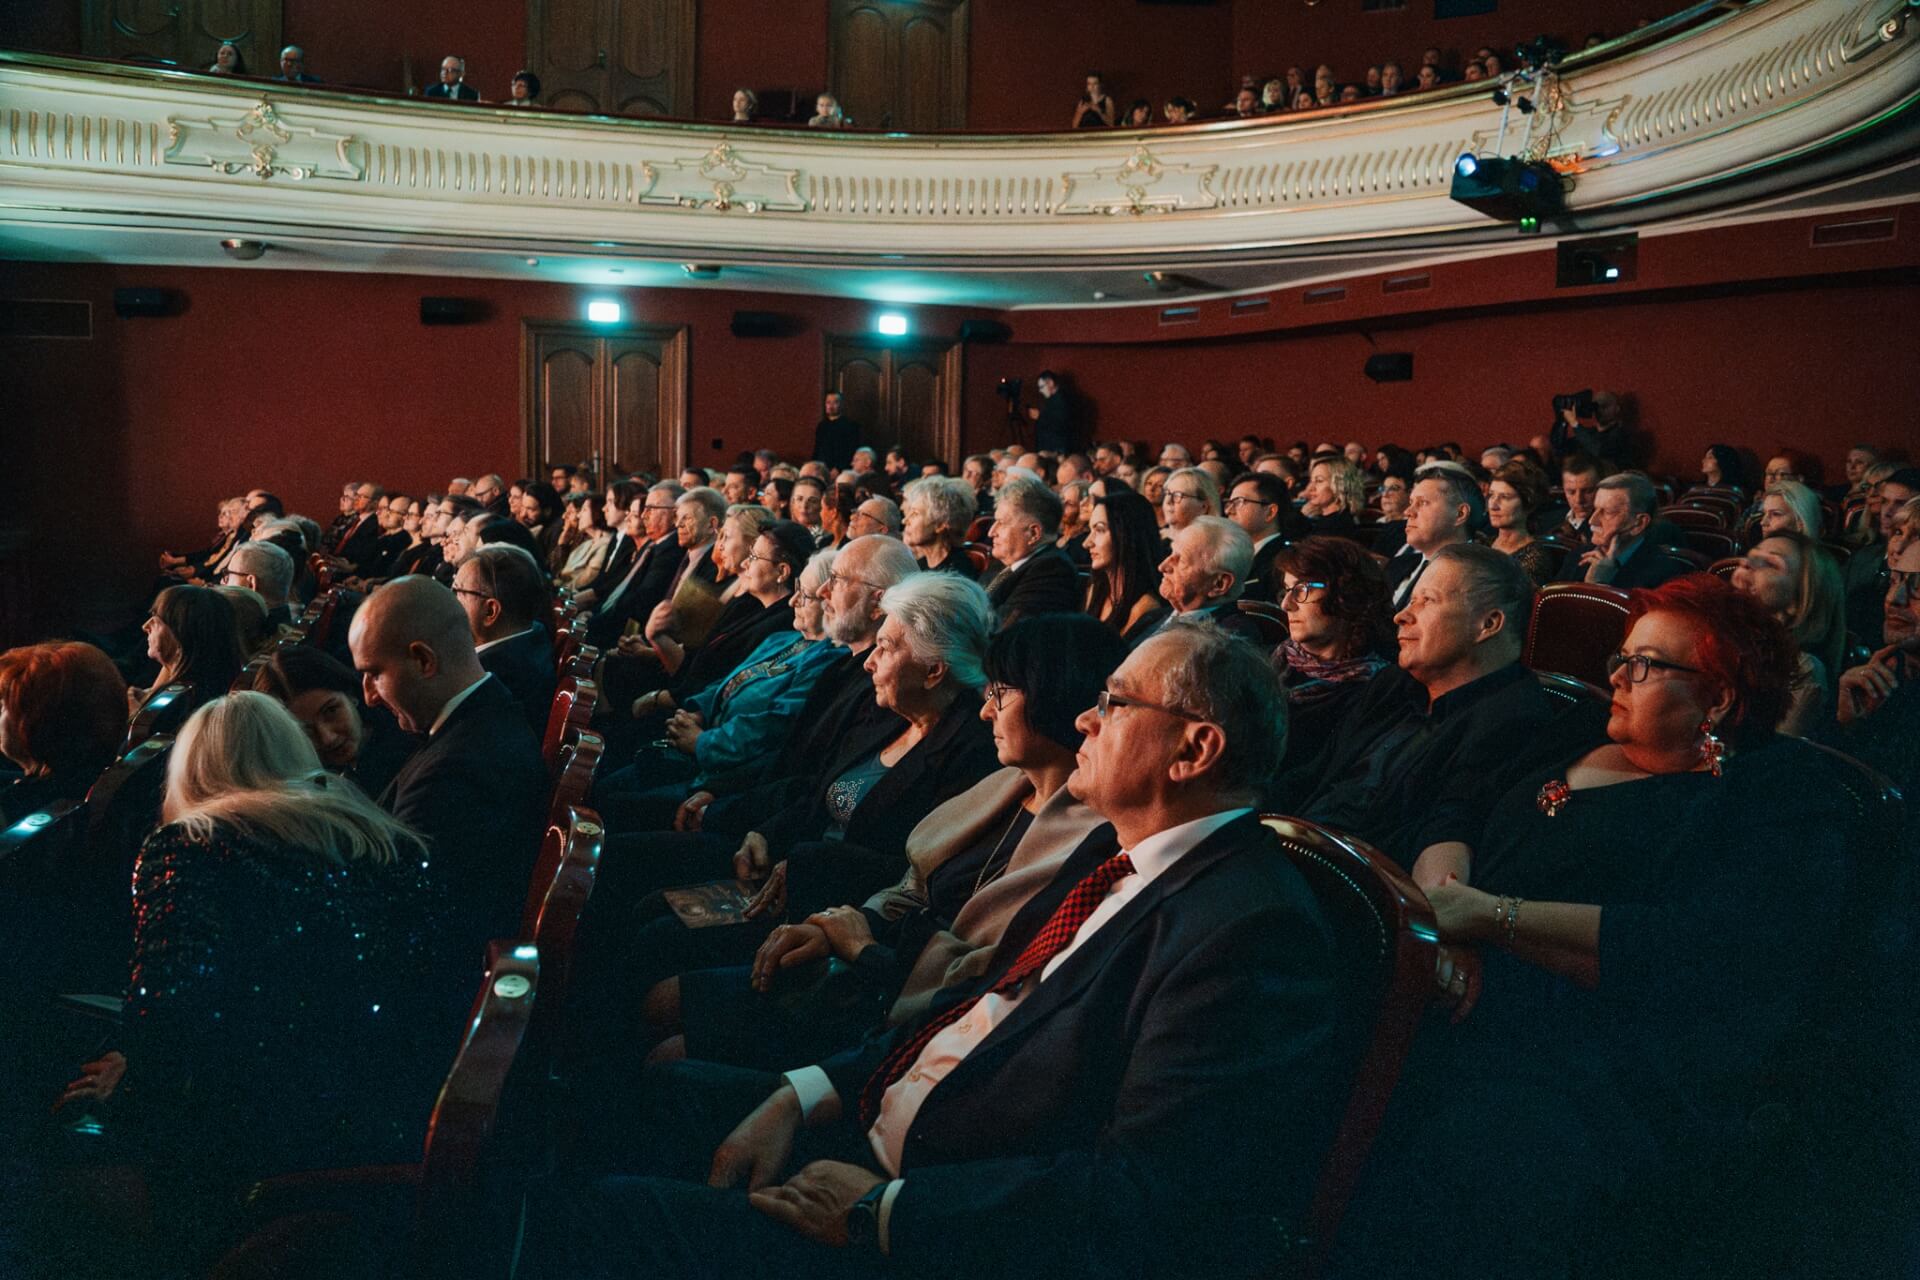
1143 1069
503 592
1865 571
875 515
265 568
1430 742
1257 502
1039 577
657 559
1878 719
293 66
491 493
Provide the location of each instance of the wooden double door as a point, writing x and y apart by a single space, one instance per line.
905 392
614 57
616 398
900 64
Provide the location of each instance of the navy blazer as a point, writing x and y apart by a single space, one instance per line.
525 665
1048 582
1160 1105
659 562
477 790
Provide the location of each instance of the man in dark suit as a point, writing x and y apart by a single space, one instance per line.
836 436
357 541
1580 477
1053 426
1143 1083
657 558
1443 507
1203 574
293 66
1257 503
453 82
1623 554
613 512
477 788
504 595
1039 577
266 569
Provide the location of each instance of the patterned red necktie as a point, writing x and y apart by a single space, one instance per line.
1054 937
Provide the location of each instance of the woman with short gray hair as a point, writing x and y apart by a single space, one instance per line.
938 510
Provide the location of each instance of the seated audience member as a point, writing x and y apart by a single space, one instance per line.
936 513
492 530
279 920
700 600
193 635
249 618
504 596
324 695
539 514
1443 508
1123 549
1039 577
1179 111
266 570
1878 720
1794 578
421 554
972 863
490 491
389 515
476 790
1580 477
1163 995
523 90
1339 635
1515 495
1622 554
1139 115
827 113
1615 893
453 84
1792 507
196 565
293 66
1336 498
842 838
63 714
1430 741
1205 573
1153 487
874 515
1862 461
808 509
1258 503
360 534
1096 108
1075 501
734 727
228 60
1188 494
745 104
617 501
650 571
1720 468
1866 568
584 546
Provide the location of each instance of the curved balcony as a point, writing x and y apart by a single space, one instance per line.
1680 115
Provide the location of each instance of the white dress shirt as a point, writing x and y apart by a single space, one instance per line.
482 648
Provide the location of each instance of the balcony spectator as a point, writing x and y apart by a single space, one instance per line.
1371 87
1491 65
1429 78
1349 93
1180 111
746 105
1246 104
1273 96
1303 100
1139 115
1390 79
1474 72
453 85
293 66
227 60
827 113
1295 83
524 91
1096 108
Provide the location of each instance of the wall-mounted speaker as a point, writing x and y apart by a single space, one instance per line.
980 331
452 310
763 324
1391 366
128 303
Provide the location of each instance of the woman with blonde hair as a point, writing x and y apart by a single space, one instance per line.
1790 505
281 918
1189 494
1336 495
1798 582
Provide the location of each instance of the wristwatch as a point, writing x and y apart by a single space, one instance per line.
863 1220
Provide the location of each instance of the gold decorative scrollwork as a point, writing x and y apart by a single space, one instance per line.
1142 183
264 144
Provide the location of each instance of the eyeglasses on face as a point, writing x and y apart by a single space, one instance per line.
1299 592
1104 704
996 694
834 576
1177 495
1640 665
469 591
1234 503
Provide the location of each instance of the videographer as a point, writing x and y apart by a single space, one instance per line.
1053 426
1592 423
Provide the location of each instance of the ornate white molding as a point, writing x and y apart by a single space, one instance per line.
134 146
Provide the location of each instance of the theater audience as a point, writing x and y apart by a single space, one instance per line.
1443 508
324 695
1792 507
1624 1022
63 714
1720 468
1580 477
249 618
1878 711
1188 494
1866 568
745 103
1138 1060
635 583
453 86
280 920
1123 548
1258 503
193 634
504 595
1515 496
1794 578
1622 555
1339 636
228 60
972 862
827 114
584 545
476 790
1039 577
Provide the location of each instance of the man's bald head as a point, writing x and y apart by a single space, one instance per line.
414 651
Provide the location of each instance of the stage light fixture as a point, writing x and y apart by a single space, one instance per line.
1525 105
891 324
603 311
1500 97
1508 188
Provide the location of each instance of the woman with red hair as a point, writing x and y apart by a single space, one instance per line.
1618 900
63 713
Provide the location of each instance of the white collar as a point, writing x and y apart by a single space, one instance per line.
453 703
1162 849
482 648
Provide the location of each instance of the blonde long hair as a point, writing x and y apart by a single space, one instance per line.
244 760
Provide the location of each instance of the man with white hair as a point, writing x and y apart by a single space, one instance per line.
267 569
1205 574
875 515
1039 577
453 84
1175 456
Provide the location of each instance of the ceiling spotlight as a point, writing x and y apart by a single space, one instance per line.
1500 97
244 250
700 270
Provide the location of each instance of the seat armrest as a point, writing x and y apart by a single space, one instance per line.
356 1191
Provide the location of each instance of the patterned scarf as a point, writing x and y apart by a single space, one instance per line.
1310 678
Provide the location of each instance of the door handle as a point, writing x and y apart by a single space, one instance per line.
600 59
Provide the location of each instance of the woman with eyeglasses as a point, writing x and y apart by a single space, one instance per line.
1339 633
1649 922
1124 553
1189 494
971 864
193 634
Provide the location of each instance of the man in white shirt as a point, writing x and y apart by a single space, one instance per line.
1140 1085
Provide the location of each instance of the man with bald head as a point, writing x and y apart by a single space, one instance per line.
477 788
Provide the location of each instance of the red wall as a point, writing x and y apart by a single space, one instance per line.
370 45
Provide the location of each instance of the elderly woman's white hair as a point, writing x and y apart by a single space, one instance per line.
950 502
814 576
946 618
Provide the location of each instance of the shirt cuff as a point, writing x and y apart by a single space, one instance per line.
814 1087
885 1216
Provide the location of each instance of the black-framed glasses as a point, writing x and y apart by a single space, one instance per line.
1176 495
1299 591
1233 503
1640 665
469 591
1108 700
996 694
834 576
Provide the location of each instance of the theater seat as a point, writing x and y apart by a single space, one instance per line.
1270 618
1710 543
1575 627
244 682
1724 568
573 703
317 620
1385 930
1692 517
163 712
579 761
1572 691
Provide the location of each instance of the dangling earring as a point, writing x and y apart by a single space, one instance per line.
1712 749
